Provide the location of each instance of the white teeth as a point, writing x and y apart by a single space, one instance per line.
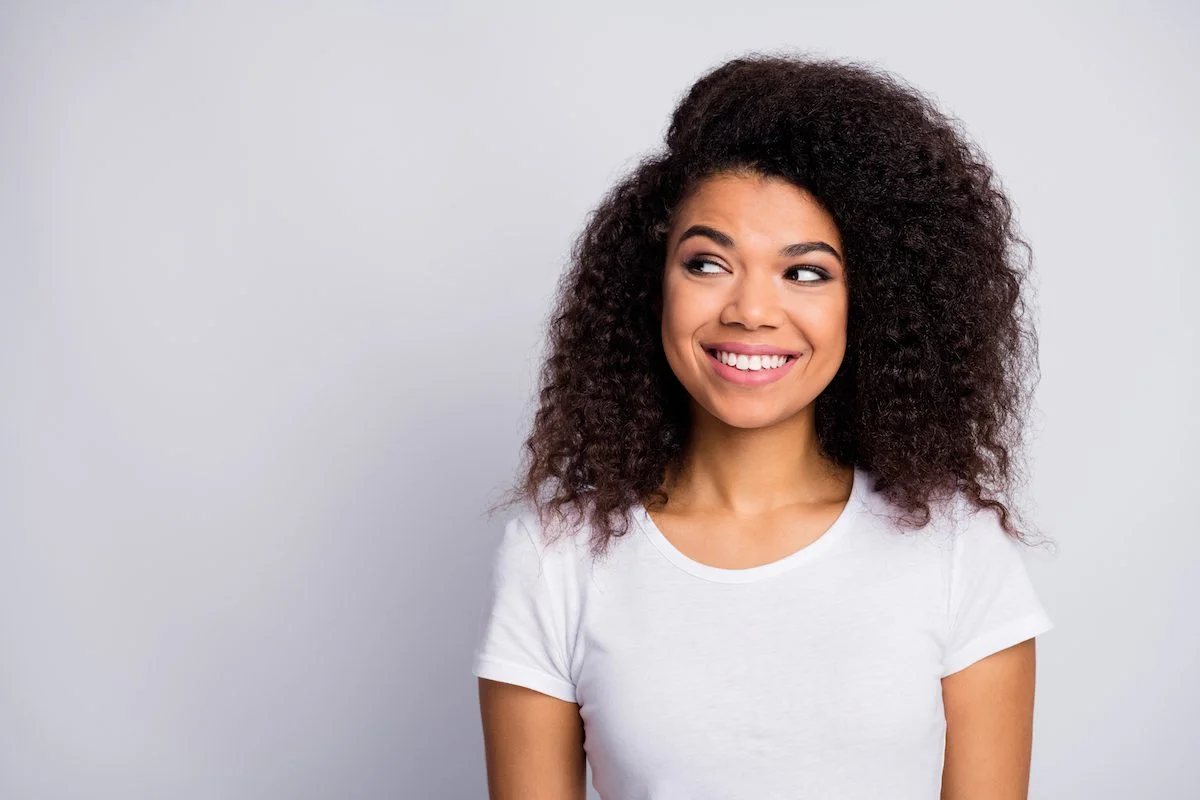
750 363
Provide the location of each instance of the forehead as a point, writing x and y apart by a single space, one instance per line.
760 208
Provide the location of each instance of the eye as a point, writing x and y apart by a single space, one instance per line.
821 275
694 265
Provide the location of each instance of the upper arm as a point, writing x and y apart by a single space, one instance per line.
993 615
533 744
533 732
989 726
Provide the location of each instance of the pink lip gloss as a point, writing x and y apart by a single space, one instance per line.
749 377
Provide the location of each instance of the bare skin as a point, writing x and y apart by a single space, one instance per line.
533 744
989 726
750 540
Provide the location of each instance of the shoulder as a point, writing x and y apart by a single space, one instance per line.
959 538
953 518
975 532
559 548
885 519
558 536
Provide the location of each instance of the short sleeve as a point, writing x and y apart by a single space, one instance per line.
525 628
992 601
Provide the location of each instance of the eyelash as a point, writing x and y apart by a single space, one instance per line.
693 265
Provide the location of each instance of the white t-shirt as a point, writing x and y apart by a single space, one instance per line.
814 676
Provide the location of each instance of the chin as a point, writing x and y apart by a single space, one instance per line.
752 415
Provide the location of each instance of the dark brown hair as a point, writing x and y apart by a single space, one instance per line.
932 391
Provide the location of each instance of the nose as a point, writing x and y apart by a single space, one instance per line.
754 301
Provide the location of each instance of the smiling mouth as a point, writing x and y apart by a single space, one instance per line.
766 363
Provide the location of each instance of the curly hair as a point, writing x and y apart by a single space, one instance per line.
934 384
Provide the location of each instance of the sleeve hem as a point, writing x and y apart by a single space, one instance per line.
994 641
507 672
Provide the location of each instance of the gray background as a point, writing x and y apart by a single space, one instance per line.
273 278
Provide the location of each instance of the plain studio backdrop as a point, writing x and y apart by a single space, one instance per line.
273 282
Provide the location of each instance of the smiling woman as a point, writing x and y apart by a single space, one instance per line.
761 550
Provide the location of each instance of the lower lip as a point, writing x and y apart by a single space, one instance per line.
750 377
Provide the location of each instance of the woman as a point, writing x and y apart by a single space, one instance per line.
761 553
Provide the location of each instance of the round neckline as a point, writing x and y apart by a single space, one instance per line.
810 551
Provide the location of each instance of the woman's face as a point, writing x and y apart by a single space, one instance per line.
753 261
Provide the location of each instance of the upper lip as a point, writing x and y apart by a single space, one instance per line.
750 349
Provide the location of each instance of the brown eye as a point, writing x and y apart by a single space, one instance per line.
821 275
694 265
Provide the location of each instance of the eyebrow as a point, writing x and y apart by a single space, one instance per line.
790 251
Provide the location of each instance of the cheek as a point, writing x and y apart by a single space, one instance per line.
677 341
683 313
823 324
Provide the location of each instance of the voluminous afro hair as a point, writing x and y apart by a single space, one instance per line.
932 390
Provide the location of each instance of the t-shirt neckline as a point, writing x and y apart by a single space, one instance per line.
806 554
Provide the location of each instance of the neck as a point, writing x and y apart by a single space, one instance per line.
753 471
